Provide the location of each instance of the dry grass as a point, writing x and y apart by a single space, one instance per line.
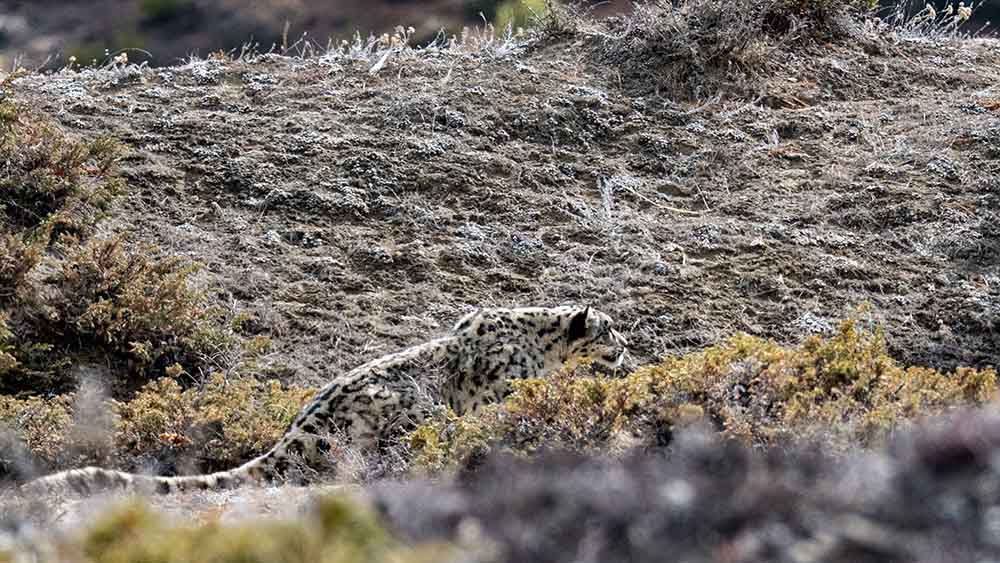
948 22
700 48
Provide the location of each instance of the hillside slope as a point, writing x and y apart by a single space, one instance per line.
356 203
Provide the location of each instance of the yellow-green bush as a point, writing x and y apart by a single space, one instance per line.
52 183
122 295
222 423
844 390
700 48
333 531
217 425
42 424
111 303
128 300
514 14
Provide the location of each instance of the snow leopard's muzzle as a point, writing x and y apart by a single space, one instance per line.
590 336
615 347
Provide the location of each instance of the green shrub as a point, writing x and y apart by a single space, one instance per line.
111 303
844 390
516 14
127 300
17 258
453 441
52 183
100 301
67 299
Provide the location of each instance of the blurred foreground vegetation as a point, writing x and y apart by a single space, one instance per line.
332 531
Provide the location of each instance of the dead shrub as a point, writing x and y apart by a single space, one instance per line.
823 16
690 48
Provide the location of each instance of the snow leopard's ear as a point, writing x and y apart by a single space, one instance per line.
578 325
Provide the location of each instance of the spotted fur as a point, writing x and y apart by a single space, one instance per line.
373 403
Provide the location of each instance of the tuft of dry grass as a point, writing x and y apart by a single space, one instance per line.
950 21
699 48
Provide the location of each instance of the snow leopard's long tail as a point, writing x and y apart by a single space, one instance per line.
91 480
